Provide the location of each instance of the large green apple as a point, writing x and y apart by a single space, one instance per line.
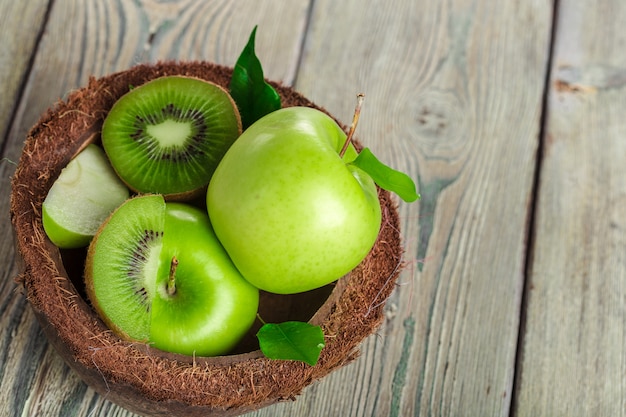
83 196
292 214
156 273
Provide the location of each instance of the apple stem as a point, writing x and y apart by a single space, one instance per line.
355 120
171 283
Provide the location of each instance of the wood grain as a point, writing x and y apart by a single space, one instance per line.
574 347
84 39
453 97
20 23
20 26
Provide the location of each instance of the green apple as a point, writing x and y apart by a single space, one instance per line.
292 214
82 197
156 273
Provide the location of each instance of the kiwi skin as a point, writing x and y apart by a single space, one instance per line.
125 130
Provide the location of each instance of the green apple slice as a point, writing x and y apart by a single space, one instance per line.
82 197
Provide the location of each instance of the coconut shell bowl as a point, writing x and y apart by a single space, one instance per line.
134 375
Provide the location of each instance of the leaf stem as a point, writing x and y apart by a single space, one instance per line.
355 120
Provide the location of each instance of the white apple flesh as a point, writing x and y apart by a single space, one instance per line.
85 193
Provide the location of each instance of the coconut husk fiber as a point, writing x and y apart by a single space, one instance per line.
136 376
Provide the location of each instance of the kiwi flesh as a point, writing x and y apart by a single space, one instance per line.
121 257
167 136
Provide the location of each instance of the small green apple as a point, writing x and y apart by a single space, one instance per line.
85 193
292 214
156 273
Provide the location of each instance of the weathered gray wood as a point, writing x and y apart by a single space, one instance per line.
20 25
574 346
84 38
453 96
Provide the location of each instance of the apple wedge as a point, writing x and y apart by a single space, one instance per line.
83 196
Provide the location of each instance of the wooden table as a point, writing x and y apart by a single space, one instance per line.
510 114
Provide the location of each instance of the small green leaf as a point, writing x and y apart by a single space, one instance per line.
387 178
254 96
291 340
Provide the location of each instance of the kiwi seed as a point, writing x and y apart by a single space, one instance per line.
136 262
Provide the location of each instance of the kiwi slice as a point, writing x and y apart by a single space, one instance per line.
168 135
121 258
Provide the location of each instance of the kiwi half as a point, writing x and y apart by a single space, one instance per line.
124 252
168 135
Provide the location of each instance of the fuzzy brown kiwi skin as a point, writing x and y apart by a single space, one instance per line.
187 195
91 292
196 193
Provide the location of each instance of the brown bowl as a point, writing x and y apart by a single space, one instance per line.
140 378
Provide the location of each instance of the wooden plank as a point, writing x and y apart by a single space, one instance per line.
453 96
95 38
574 346
20 22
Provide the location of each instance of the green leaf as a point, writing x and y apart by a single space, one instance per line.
387 178
291 340
254 96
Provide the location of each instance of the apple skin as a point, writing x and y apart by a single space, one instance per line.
292 215
213 306
85 193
